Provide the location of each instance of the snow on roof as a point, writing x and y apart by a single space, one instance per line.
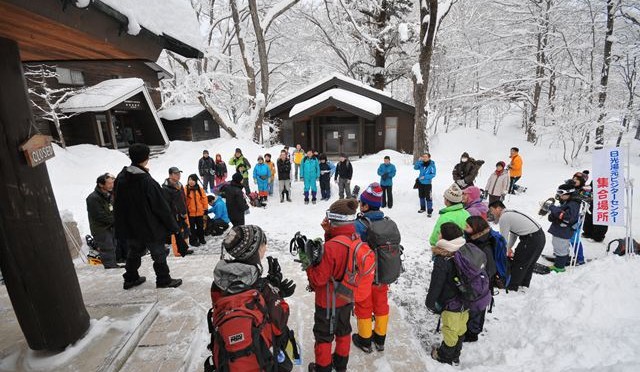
353 99
176 112
103 96
320 82
174 18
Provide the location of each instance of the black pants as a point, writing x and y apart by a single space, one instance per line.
121 250
527 253
475 322
325 187
196 225
247 188
424 193
216 227
208 182
107 248
512 182
238 221
387 196
134 259
595 232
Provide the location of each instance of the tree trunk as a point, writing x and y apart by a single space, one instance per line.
264 68
56 122
37 268
380 57
216 116
604 75
421 83
532 135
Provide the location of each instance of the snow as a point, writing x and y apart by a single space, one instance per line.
174 18
274 11
181 111
585 319
415 70
403 31
103 95
83 3
322 81
353 99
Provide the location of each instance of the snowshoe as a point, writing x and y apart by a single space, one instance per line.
541 269
544 207
557 269
517 189
355 192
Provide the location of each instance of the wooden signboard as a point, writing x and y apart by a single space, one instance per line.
37 150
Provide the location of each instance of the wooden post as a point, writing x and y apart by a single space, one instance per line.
111 130
37 268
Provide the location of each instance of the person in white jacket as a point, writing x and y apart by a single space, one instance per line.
498 183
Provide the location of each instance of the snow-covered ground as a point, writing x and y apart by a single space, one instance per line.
581 320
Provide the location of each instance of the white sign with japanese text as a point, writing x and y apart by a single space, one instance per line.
608 187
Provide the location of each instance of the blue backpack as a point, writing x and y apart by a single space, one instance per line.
472 280
501 260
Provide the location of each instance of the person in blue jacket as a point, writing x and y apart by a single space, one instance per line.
427 168
387 171
261 175
310 171
219 222
563 220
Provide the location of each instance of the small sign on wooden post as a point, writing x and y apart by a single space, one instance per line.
37 150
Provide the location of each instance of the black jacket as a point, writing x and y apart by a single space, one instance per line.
236 203
324 167
221 169
205 166
467 171
344 170
140 209
284 169
174 195
442 287
100 211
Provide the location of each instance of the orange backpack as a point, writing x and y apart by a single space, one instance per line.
355 284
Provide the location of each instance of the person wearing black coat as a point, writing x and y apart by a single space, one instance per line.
174 195
466 171
206 168
143 217
284 175
100 212
344 173
236 203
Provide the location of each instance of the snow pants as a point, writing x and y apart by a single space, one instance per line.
454 325
387 196
476 322
325 187
426 202
324 338
310 184
107 247
158 253
196 225
377 304
561 249
344 188
527 253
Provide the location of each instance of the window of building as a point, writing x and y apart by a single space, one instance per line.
391 132
69 77
206 125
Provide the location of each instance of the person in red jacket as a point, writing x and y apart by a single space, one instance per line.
332 314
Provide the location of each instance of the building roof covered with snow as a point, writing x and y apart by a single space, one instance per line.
180 111
344 99
103 96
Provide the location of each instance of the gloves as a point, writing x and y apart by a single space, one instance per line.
461 183
287 287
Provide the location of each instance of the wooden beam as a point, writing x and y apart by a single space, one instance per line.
35 261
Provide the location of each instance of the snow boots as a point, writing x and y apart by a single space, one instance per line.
361 343
306 197
135 283
446 354
559 263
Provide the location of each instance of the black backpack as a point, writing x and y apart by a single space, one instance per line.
621 246
383 237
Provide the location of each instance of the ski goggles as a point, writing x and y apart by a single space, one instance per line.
341 217
561 192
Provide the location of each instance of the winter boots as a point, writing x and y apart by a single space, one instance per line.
313 196
363 344
559 263
306 197
135 283
446 354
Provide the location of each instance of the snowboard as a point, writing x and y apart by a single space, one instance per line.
541 269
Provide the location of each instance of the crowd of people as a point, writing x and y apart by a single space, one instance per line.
131 214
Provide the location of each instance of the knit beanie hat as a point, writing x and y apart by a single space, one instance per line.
343 210
501 163
472 192
237 177
372 196
138 153
453 194
243 242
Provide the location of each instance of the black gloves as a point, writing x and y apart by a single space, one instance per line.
287 287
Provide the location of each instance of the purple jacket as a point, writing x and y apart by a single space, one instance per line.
477 208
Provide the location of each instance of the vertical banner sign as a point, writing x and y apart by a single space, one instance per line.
608 187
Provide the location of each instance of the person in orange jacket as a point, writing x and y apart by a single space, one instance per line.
332 316
515 168
197 205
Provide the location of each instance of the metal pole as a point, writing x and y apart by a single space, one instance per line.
629 189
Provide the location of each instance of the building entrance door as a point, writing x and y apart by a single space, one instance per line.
341 139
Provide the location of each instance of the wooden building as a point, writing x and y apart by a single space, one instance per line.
341 115
189 122
39 275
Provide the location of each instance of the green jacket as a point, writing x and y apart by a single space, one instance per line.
241 161
454 213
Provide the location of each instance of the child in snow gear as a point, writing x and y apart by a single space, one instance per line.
452 212
383 237
284 176
344 172
444 296
466 171
298 155
427 168
584 194
219 222
206 168
515 169
387 171
514 225
498 183
242 164
473 203
143 218
236 203
220 170
272 169
563 220
261 176
310 172
197 205
100 211
249 315
326 170
177 200
333 279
